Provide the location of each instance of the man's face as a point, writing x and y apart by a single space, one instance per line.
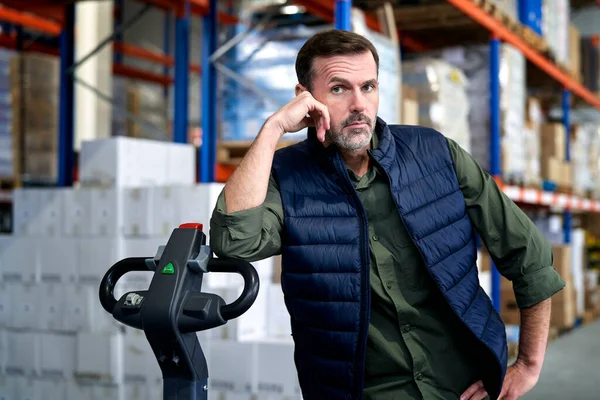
348 86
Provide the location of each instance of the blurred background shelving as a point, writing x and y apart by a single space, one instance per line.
113 111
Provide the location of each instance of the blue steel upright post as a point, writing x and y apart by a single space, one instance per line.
66 155
566 101
495 141
118 19
182 68
343 9
208 150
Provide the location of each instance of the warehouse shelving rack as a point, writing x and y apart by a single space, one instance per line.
64 27
337 11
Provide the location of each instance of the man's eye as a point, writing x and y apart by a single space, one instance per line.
368 88
337 89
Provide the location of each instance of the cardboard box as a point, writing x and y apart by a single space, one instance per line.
50 217
140 362
553 141
165 201
234 366
410 106
553 169
575 52
567 175
250 326
27 205
23 356
19 258
6 301
57 358
77 213
196 204
84 313
8 387
52 302
484 261
138 212
26 306
100 357
59 269
107 212
276 369
278 317
564 308
123 162
181 164
562 260
97 256
277 269
592 300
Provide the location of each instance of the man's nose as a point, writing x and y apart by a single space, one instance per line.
359 102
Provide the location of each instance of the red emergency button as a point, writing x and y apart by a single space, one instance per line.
191 225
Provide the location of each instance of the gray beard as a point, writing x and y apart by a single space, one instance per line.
356 139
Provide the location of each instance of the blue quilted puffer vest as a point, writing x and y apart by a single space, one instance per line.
325 259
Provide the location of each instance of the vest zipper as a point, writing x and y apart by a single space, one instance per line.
365 288
425 263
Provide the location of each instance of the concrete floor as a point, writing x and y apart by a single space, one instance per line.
572 367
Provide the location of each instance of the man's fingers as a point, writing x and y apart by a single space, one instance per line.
320 109
479 395
474 388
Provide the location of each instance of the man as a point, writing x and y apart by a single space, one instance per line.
376 226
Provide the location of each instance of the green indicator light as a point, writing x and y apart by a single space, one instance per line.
168 269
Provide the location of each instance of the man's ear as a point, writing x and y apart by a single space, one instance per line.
300 89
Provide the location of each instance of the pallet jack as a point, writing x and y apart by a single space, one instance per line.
174 308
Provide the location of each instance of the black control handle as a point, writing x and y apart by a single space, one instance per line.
251 285
107 286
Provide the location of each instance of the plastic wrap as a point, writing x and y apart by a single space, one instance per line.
35 84
532 132
145 101
585 157
555 28
442 95
265 61
6 117
474 62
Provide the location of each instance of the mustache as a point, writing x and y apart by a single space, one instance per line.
357 118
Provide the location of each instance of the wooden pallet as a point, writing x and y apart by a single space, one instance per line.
8 183
532 39
232 152
426 17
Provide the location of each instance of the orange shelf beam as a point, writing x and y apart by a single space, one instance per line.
141 53
197 7
10 42
503 33
550 199
325 10
136 73
200 7
29 21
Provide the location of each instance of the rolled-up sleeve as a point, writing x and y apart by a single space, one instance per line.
253 234
519 250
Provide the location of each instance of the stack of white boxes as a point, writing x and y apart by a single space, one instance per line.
442 95
474 61
555 28
56 340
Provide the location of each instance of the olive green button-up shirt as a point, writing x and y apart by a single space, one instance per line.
416 348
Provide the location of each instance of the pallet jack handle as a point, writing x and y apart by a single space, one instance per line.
174 308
